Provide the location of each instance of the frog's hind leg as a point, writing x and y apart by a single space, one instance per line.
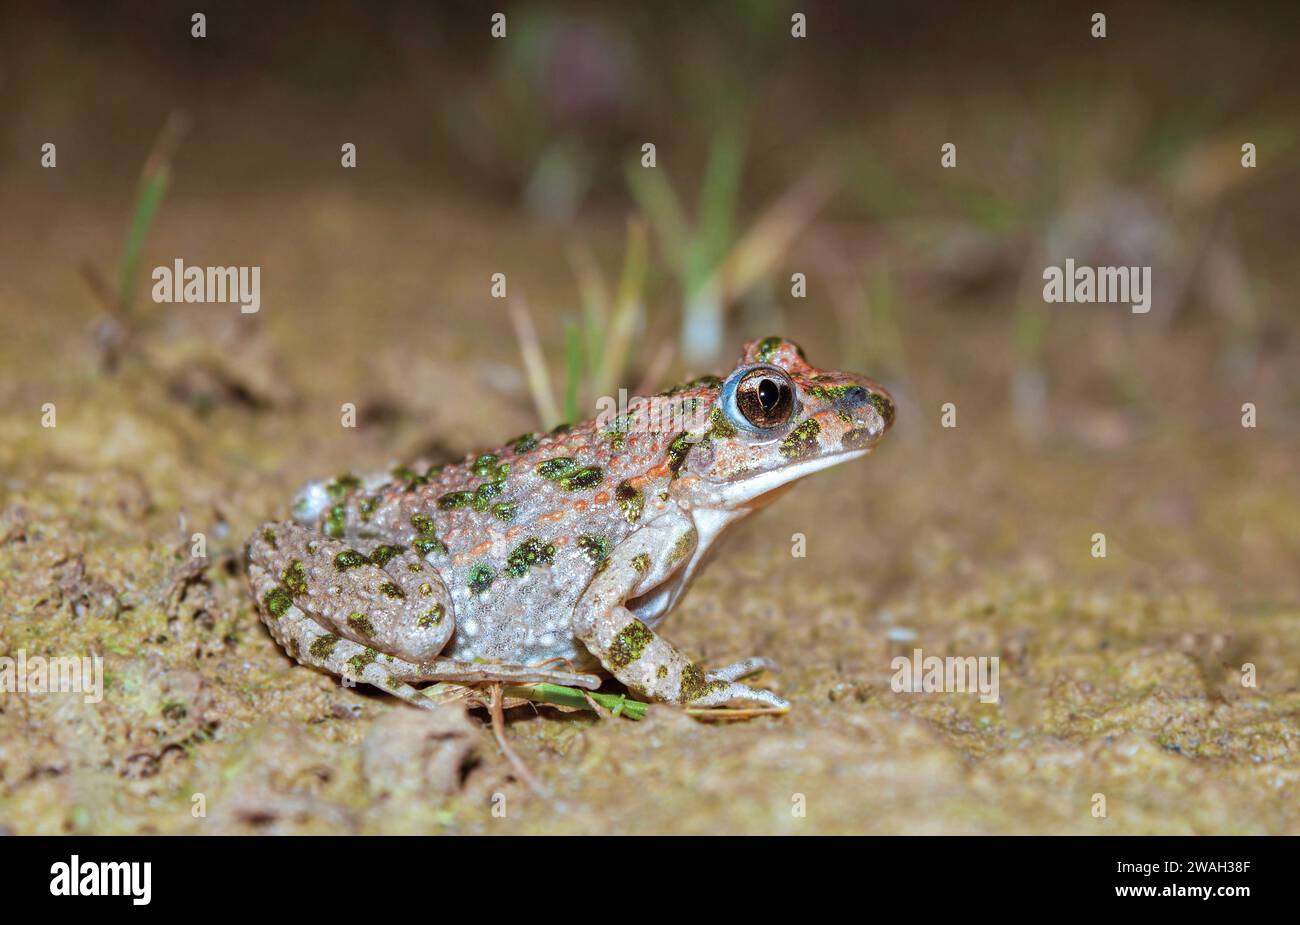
312 645
373 614
379 595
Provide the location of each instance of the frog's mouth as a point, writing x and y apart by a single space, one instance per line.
749 487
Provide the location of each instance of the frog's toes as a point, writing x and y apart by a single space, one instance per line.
743 668
720 691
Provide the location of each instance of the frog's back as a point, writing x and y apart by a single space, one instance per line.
516 534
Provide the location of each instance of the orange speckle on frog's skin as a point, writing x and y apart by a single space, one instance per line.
605 523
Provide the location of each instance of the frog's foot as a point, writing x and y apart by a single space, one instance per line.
722 687
720 691
743 668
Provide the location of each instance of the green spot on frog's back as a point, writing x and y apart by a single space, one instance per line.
524 443
586 477
830 392
595 548
480 578
530 552
427 541
484 494
426 546
569 474
455 499
504 511
557 467
630 501
423 524
677 451
382 555
349 558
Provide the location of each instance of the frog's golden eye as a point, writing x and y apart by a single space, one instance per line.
765 397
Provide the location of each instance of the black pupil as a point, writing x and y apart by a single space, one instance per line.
769 393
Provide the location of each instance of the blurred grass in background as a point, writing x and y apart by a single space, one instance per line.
775 155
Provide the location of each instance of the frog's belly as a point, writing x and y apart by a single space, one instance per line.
512 640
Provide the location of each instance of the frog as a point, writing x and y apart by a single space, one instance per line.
555 558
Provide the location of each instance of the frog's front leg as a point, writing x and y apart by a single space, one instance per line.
646 662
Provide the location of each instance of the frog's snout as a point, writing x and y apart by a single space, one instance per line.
879 397
872 408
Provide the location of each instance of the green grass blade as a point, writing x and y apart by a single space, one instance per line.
152 191
618 704
629 312
718 194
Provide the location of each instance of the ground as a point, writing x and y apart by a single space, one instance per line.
1120 676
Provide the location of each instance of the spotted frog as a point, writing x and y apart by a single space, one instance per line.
556 557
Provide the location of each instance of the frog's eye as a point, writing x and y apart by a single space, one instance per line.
763 397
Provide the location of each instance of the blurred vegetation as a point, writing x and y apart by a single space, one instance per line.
1066 145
